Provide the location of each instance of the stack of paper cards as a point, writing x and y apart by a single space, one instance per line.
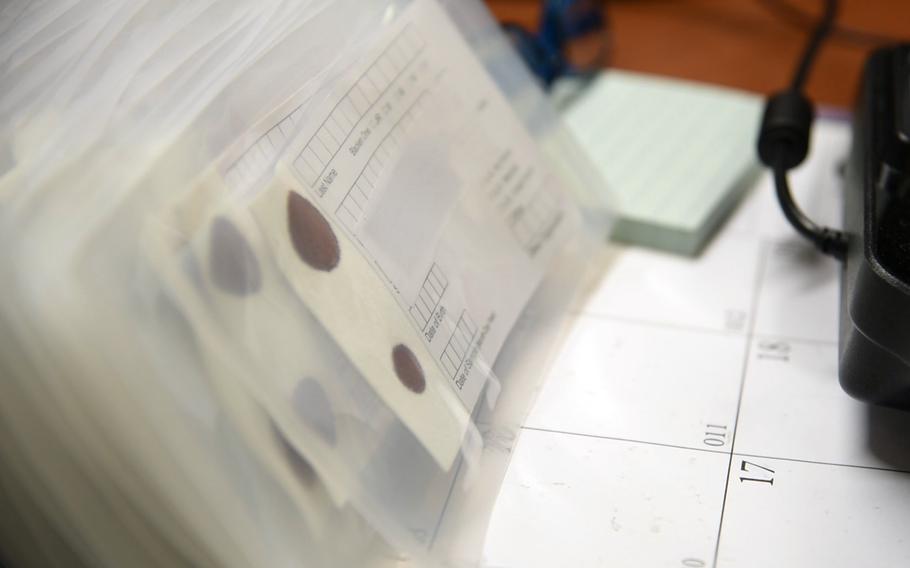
259 265
676 155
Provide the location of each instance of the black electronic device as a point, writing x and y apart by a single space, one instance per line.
875 296
875 243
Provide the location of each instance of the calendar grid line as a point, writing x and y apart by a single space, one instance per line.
739 340
830 464
663 325
792 339
753 309
619 439
700 329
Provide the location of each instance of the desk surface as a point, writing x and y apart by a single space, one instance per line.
694 419
747 44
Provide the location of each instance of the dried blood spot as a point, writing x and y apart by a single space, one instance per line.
314 408
311 234
232 264
407 367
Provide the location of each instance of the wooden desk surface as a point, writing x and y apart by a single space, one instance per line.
745 44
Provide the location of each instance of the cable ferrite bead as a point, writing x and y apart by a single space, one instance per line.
784 137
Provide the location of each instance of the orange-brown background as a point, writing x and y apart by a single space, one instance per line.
739 43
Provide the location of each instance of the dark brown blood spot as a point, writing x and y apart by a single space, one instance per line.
232 264
311 234
407 367
314 408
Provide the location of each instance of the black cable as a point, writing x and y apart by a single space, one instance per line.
783 141
822 29
828 241
798 17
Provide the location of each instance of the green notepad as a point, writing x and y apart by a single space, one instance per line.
675 154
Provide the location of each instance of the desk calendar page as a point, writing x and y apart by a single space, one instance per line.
694 419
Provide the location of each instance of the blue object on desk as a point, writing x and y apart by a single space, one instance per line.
561 21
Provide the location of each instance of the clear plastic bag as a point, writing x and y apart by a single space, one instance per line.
280 279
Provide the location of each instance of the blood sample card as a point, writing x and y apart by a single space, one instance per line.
410 211
694 417
420 141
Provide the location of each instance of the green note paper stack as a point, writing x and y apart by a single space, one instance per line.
677 155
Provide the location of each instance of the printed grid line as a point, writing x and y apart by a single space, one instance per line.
581 312
431 292
712 451
768 245
620 439
362 188
456 349
258 156
829 464
753 311
354 105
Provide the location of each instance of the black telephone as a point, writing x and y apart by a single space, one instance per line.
875 243
875 296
